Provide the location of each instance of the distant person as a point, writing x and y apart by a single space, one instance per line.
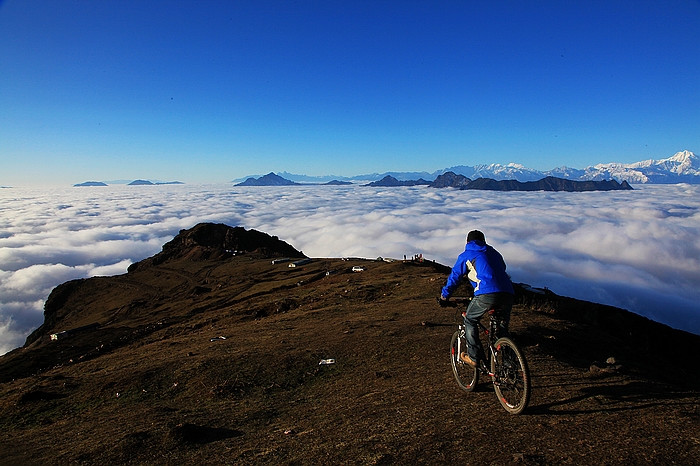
486 270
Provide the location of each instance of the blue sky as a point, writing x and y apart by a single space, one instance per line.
210 91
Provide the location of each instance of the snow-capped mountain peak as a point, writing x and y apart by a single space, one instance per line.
683 166
684 157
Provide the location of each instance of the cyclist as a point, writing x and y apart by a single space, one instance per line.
486 270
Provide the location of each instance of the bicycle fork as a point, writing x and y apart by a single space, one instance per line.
462 337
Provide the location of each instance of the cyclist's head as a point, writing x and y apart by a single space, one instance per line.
476 235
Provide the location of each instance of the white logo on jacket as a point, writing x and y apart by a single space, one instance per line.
471 275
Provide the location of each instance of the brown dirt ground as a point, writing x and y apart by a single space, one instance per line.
149 385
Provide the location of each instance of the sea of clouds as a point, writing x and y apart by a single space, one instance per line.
639 250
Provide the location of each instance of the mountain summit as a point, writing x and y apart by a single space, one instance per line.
271 179
682 163
682 167
217 241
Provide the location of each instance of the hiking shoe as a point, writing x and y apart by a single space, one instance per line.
464 357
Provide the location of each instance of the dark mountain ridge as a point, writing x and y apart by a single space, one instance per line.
453 180
271 179
549 183
390 181
90 183
210 241
203 242
450 180
211 349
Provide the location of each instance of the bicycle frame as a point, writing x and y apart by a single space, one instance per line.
491 337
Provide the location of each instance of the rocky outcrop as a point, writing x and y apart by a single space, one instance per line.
450 180
207 241
54 304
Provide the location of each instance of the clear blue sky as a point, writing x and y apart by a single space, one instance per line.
208 91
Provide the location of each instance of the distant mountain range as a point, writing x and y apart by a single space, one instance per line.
132 183
453 180
682 167
272 179
151 183
548 183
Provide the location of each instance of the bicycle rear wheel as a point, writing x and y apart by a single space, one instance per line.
511 376
466 375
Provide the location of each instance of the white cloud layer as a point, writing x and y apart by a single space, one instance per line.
639 250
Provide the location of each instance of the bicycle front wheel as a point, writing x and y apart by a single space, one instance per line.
466 375
511 376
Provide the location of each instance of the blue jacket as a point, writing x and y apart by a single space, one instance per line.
485 268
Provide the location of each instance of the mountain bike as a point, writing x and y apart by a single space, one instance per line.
502 361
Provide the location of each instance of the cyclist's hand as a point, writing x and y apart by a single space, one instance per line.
443 302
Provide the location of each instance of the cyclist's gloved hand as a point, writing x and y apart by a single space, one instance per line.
443 301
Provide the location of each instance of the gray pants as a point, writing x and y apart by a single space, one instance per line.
502 302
